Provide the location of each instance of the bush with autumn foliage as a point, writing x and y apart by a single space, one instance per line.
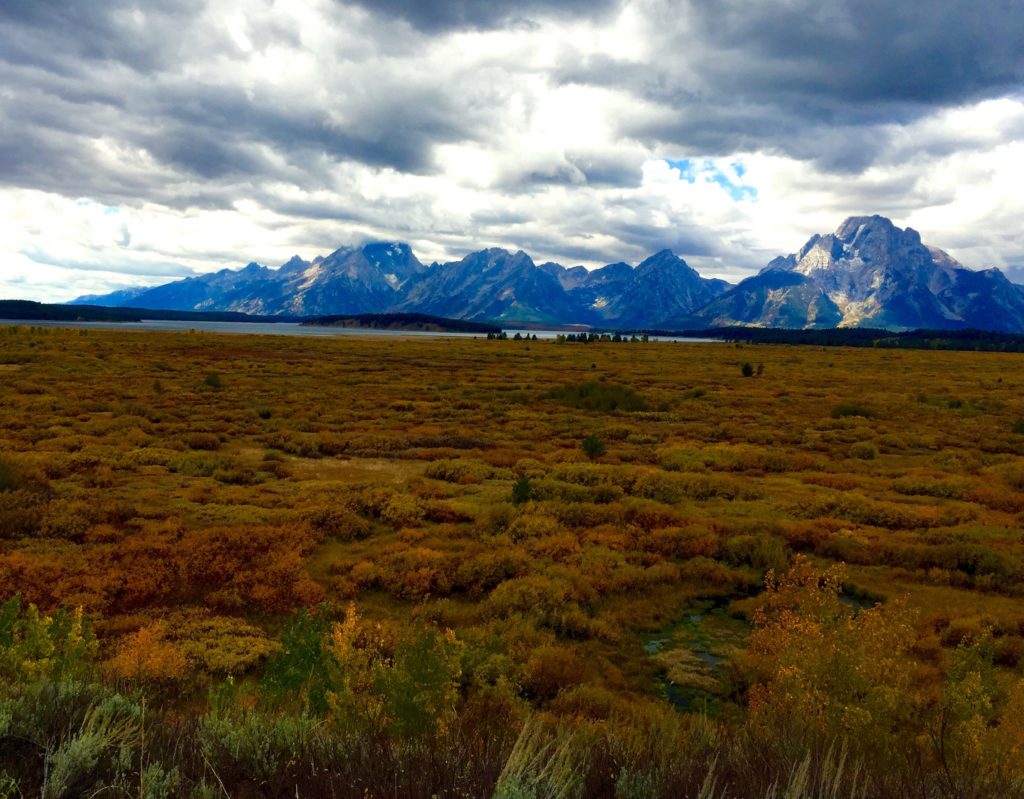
339 574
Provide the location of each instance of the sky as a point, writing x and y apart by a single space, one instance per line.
141 143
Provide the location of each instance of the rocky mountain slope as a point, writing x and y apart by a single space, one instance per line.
364 279
493 285
867 273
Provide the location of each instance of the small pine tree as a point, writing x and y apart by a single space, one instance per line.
747 369
521 490
593 447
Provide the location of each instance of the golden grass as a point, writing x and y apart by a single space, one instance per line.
381 470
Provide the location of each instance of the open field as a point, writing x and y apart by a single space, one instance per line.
432 505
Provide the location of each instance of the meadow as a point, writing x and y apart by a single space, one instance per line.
382 567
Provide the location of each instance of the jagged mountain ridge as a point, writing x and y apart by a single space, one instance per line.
366 279
867 273
492 284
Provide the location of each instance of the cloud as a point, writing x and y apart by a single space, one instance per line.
443 15
225 131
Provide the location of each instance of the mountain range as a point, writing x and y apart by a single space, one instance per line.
868 273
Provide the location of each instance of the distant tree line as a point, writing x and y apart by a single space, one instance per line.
410 321
590 338
964 339
39 311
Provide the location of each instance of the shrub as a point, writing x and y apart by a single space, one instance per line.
560 491
762 552
594 396
146 655
219 644
593 447
338 522
461 470
864 450
10 476
209 441
550 670
521 490
845 409
212 380
409 691
485 571
201 465
299 668
21 514
747 369
671 488
1018 427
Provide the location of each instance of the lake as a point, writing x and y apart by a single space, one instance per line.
295 329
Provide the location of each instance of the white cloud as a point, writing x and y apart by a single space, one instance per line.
254 131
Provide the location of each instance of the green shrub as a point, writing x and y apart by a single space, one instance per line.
672 487
299 669
21 514
14 477
222 468
208 441
212 380
593 447
594 396
762 552
522 490
461 470
341 523
201 465
747 369
864 450
845 409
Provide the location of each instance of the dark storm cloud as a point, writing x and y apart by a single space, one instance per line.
863 52
683 239
215 135
809 78
57 35
382 130
78 73
814 79
443 15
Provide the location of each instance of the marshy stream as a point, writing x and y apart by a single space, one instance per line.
693 656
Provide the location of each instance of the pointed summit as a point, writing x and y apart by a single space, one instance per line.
492 284
870 273
663 289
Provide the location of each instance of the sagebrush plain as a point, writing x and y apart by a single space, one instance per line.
271 566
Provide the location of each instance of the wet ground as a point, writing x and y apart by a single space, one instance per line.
693 656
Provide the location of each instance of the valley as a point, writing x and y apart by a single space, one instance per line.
633 545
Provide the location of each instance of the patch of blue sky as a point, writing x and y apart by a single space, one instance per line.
108 210
706 169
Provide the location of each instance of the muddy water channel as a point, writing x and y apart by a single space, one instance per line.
693 655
